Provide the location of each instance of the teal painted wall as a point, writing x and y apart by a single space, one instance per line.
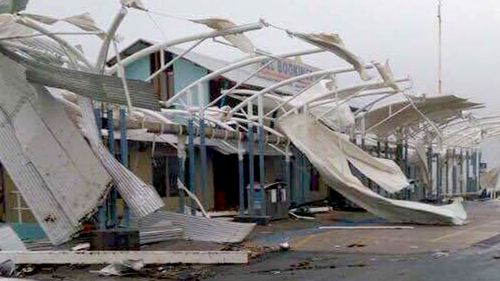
28 231
138 70
186 72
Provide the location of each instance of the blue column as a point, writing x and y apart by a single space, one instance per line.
181 162
102 208
429 166
111 147
406 163
479 155
191 156
262 177
124 159
378 149
467 173
288 178
241 178
474 171
203 163
379 155
302 168
294 176
307 179
438 176
251 173
386 150
461 173
447 169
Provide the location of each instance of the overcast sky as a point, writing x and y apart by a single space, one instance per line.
403 31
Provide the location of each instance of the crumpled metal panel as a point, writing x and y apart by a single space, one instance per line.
139 196
49 161
161 231
34 189
200 228
9 241
98 87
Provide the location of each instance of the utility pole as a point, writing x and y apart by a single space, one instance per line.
440 81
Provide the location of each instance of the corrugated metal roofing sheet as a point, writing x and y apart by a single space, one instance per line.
44 153
200 228
34 189
140 197
438 109
9 241
96 86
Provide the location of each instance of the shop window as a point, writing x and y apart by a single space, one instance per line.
314 186
165 172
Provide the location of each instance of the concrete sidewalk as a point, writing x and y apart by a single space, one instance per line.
483 223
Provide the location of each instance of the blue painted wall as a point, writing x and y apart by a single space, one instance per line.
186 72
139 70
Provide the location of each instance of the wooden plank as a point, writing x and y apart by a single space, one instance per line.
106 257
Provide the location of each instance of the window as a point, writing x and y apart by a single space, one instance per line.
165 170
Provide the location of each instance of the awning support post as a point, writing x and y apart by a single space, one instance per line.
191 156
438 176
447 171
181 162
429 166
203 160
262 147
241 176
251 172
124 159
111 147
288 178
102 209
479 155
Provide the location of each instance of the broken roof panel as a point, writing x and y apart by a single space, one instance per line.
387 119
98 87
95 86
239 40
34 189
139 196
46 156
9 241
201 228
322 148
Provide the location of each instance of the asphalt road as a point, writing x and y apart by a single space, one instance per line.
470 264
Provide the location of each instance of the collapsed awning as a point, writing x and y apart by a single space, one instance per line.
387 119
322 148
46 156
96 86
